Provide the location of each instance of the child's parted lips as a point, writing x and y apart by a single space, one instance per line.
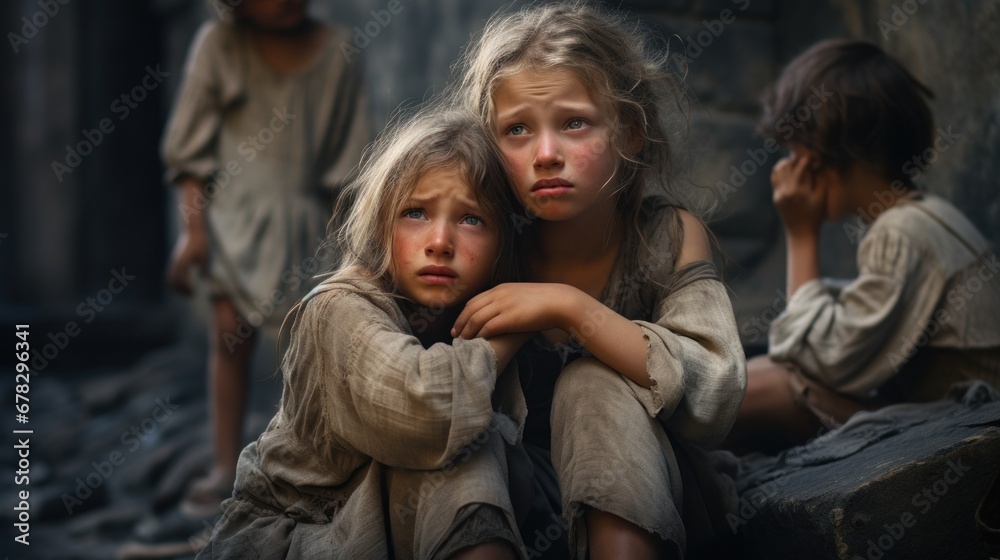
551 183
436 270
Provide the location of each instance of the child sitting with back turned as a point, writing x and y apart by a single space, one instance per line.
924 311
391 438
639 355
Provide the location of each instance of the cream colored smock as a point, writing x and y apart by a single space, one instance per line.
267 144
925 306
378 443
639 453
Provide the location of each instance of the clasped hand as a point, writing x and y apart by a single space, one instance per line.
515 307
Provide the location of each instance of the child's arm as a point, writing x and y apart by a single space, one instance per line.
189 147
380 391
609 337
191 250
855 339
800 201
689 359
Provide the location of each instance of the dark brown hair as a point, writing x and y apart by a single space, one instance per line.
851 102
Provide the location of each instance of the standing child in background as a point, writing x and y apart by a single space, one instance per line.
392 439
268 122
924 311
624 286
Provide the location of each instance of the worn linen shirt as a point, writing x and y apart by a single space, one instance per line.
267 144
636 452
927 291
362 395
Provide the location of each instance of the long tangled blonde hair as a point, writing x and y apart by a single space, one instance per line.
616 61
441 136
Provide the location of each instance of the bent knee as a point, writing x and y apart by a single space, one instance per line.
587 380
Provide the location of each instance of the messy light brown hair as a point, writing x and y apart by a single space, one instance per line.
438 137
870 109
617 61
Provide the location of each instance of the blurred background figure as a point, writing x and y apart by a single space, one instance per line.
268 122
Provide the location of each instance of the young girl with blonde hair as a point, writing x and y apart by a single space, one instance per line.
640 355
392 439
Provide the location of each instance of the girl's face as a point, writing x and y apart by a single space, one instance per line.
443 249
557 142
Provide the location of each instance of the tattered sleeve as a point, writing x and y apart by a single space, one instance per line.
855 339
381 391
694 357
209 83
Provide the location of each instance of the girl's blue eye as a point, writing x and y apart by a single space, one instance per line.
413 213
473 220
516 130
575 124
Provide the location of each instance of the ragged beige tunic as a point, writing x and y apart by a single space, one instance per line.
924 311
635 452
378 443
272 142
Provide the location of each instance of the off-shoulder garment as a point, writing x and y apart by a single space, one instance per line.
635 452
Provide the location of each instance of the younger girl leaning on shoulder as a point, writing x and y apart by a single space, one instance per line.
639 354
391 439
924 311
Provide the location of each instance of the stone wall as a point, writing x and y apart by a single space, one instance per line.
736 48
60 240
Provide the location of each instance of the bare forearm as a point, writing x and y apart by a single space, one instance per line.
505 346
803 259
611 338
193 204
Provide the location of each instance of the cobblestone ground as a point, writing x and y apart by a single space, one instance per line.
114 448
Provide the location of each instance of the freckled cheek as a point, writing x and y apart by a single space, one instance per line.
402 255
591 154
479 258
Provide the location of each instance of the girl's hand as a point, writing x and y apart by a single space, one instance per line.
515 307
798 196
191 251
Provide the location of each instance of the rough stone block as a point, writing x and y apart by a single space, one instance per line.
890 486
